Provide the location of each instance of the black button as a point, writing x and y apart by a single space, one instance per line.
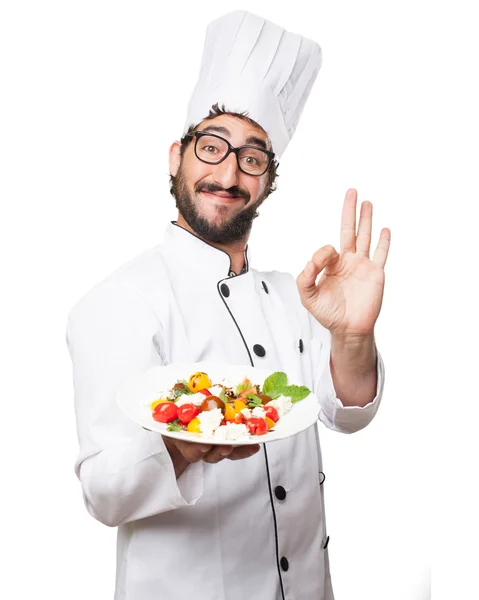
322 477
280 492
326 543
265 287
301 345
259 350
284 563
225 290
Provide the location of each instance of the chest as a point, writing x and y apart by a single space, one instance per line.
237 320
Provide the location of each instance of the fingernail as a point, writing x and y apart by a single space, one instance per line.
225 451
204 449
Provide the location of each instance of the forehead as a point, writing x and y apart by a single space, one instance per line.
237 131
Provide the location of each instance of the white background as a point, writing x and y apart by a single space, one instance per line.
92 94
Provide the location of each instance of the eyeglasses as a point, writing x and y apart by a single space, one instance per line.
213 149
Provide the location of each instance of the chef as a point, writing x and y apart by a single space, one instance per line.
217 523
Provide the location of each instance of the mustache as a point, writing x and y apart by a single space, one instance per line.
214 187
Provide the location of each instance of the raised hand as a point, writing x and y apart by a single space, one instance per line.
347 298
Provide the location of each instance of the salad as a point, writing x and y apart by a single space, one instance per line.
224 410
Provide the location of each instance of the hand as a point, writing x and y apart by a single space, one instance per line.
347 298
184 453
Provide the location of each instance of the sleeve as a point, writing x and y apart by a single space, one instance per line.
345 419
126 471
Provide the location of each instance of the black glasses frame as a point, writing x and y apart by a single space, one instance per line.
236 151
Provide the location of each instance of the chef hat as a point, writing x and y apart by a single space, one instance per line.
250 64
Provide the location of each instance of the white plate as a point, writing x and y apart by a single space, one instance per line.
137 393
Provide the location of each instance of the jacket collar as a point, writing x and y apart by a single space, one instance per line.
193 253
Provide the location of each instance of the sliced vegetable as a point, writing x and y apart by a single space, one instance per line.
256 426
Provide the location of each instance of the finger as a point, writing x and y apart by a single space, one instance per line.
306 281
363 240
191 451
217 453
382 249
348 222
243 452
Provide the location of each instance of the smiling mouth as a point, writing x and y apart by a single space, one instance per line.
223 198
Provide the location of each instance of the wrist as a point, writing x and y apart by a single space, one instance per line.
355 351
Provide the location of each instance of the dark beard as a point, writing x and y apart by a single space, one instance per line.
237 228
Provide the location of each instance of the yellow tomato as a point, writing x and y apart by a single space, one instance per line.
239 405
194 426
269 422
230 412
199 381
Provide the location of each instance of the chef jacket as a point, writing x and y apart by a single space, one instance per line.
249 529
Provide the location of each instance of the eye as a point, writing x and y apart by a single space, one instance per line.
251 161
210 149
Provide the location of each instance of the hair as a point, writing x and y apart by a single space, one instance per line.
216 111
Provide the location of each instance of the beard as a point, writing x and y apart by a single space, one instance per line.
237 228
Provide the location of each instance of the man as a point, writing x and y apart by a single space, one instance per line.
223 523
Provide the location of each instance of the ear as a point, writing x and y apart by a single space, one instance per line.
175 158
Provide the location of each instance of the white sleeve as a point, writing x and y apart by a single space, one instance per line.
345 419
126 472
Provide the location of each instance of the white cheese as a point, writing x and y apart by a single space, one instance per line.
215 390
210 420
195 399
259 412
231 431
282 404
226 383
246 412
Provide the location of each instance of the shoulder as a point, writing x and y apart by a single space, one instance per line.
131 284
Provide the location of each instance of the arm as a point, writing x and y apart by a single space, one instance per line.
336 412
353 369
126 472
345 302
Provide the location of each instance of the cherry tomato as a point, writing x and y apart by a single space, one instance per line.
256 426
230 412
199 381
165 412
269 422
194 426
187 412
272 413
212 402
239 418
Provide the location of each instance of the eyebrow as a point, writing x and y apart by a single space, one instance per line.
252 139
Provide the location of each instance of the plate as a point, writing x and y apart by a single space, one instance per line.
137 393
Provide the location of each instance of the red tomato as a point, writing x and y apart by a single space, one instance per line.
187 412
272 413
165 412
256 426
239 418
205 392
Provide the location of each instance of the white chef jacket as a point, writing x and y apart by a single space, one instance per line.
250 529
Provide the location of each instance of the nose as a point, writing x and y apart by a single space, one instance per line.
227 172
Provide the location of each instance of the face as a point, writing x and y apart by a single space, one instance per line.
219 202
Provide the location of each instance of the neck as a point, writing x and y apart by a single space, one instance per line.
235 250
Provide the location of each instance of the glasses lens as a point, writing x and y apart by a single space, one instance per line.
210 148
253 161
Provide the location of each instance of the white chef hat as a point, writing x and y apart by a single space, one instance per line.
250 64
